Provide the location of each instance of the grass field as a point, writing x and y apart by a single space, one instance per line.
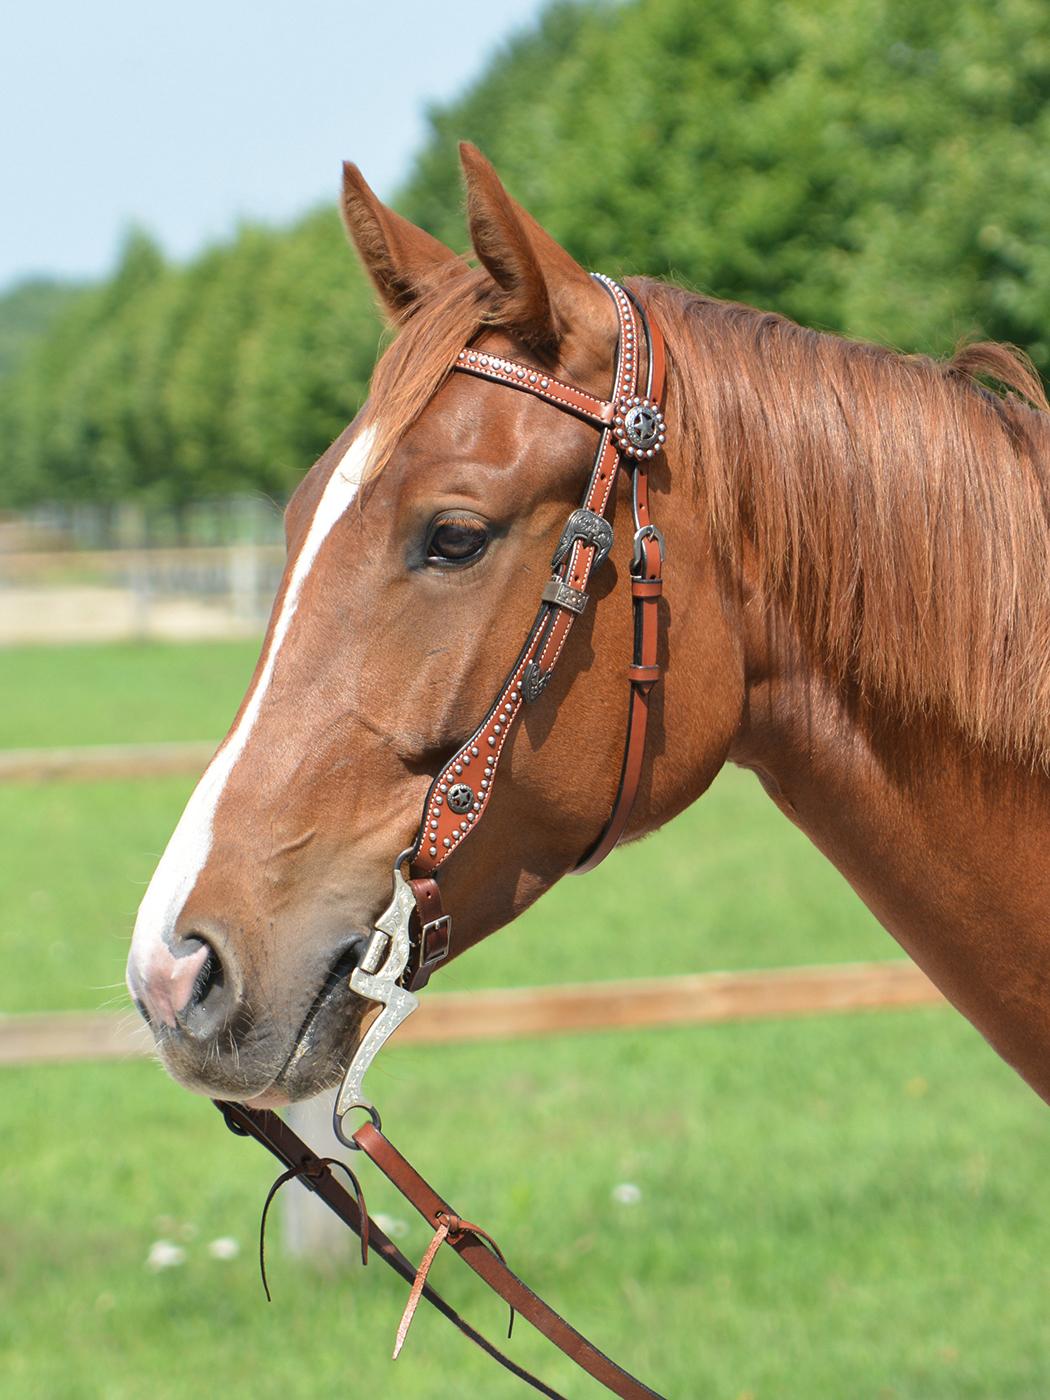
830 1207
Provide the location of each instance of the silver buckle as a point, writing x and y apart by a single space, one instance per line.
647 532
390 946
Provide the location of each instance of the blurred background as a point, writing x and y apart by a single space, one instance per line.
756 1206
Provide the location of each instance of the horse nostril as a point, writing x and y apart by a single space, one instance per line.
210 978
201 998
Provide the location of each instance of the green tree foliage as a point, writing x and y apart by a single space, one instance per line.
871 166
27 312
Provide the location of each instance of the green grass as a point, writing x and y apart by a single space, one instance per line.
120 694
831 1207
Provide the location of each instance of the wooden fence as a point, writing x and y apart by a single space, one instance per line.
697 999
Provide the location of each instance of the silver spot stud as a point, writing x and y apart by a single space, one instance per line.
492 742
433 850
474 750
446 843
459 769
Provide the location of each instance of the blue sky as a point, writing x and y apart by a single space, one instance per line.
183 118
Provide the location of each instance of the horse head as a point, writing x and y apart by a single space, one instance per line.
418 547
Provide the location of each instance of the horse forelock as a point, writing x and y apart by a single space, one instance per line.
900 509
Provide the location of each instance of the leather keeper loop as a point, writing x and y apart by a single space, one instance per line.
647 587
643 675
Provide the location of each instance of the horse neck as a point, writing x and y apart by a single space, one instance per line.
944 843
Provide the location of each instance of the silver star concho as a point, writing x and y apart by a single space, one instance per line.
639 427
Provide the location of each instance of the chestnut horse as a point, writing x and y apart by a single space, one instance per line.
856 607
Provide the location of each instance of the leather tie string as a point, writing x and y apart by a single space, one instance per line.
314 1169
450 1227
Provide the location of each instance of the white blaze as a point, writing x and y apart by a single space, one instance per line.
190 844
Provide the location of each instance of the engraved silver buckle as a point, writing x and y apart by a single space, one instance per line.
376 978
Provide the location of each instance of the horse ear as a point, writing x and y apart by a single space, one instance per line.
546 292
401 259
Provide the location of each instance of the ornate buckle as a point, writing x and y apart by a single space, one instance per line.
377 978
589 526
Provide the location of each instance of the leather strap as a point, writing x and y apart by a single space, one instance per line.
448 823
474 1246
647 587
488 1265
433 936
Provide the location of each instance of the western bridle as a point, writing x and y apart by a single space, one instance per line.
414 934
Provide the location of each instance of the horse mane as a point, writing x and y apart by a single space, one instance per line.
899 507
896 505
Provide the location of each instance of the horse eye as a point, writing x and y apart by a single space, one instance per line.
456 539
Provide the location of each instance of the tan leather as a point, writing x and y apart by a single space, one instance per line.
475 1252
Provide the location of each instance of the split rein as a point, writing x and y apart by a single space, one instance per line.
414 935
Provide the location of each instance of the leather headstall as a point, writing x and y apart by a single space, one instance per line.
631 426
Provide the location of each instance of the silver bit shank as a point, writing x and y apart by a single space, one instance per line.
380 986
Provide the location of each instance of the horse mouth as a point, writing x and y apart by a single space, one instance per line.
252 1062
328 1035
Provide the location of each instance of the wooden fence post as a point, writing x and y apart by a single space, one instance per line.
309 1229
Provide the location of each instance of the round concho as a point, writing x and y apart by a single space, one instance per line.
639 427
460 797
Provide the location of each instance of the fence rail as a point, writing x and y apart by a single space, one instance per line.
456 1018
97 763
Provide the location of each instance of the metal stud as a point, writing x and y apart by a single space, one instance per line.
497 729
446 843
438 800
459 769
492 742
463 826
474 750
443 787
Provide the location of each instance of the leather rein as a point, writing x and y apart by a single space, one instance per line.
414 934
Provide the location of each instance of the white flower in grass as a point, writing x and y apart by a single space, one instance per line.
225 1247
390 1225
626 1194
164 1255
